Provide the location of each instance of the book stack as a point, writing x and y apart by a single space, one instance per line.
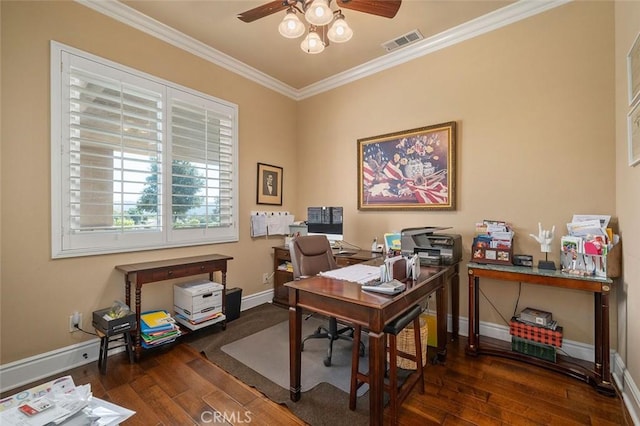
157 328
535 333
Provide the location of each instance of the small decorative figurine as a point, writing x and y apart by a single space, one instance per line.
544 238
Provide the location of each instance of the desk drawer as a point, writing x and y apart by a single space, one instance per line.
346 261
169 273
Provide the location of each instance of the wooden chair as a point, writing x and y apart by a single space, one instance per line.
397 394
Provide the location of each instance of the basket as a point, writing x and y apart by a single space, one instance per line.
406 343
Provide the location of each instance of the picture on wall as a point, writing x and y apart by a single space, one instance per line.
633 71
633 124
269 189
411 169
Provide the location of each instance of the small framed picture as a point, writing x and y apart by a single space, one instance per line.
633 71
633 129
269 189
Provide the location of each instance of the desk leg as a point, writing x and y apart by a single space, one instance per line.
377 356
295 355
455 301
441 319
472 347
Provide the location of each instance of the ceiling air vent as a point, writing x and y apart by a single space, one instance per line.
402 41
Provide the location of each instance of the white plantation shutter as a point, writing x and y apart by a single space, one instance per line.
202 146
118 183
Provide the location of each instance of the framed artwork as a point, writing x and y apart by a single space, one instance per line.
269 189
412 169
633 129
633 71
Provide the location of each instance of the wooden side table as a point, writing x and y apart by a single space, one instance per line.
139 274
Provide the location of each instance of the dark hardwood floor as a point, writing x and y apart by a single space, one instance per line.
178 386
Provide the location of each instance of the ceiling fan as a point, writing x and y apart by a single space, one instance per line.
384 8
319 15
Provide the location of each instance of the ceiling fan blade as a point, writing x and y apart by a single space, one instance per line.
384 8
264 10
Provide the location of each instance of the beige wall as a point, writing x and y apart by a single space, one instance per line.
534 104
627 198
38 293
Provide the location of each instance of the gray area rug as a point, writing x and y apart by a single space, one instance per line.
267 353
325 404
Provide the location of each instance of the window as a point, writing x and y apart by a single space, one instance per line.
137 162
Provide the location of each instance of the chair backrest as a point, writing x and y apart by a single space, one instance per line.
310 255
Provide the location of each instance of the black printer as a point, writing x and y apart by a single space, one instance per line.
432 248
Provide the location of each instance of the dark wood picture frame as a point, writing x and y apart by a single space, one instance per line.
269 190
408 170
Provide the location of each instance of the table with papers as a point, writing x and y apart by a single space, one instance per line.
60 402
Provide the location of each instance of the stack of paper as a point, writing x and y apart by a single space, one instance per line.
157 328
60 401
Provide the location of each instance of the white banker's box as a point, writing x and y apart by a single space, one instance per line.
197 299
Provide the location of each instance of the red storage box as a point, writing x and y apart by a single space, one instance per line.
536 333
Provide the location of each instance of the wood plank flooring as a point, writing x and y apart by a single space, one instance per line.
178 386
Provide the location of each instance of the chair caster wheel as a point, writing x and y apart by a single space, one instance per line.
327 362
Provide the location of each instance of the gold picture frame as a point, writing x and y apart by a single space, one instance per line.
633 129
269 190
633 71
408 170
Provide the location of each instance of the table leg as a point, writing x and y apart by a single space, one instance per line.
602 342
137 342
455 301
472 347
441 319
377 356
295 354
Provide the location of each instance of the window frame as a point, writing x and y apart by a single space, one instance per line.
62 243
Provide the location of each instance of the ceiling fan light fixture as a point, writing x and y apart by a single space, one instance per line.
340 31
319 13
291 26
312 43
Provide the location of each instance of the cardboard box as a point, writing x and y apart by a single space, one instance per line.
112 326
531 348
536 333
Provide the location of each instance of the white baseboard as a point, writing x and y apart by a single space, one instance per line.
628 389
37 367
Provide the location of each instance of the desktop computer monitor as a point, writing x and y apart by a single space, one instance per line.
325 221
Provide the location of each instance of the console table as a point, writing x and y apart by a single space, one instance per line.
281 276
596 373
143 273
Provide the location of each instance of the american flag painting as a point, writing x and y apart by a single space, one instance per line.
410 169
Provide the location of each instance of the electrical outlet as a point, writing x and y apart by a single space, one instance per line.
75 319
265 278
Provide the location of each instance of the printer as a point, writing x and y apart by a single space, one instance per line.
432 248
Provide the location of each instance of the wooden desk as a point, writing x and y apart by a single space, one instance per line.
143 273
281 276
346 300
598 373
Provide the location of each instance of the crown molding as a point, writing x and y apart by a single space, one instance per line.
502 17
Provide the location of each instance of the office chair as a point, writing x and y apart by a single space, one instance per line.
310 255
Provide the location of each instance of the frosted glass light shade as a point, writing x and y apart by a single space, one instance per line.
319 13
312 43
340 31
291 26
